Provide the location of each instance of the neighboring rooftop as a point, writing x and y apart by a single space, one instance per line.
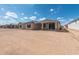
72 21
49 20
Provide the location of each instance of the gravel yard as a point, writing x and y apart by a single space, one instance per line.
34 42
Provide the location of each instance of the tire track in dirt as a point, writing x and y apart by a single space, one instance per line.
73 35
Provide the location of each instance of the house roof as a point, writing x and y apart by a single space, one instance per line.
49 20
36 22
72 21
31 22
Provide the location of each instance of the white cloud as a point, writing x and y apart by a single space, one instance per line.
9 20
33 17
22 13
51 9
12 14
6 17
25 17
13 21
61 19
42 18
71 19
2 9
35 13
21 19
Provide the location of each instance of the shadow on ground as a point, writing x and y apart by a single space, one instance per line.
63 30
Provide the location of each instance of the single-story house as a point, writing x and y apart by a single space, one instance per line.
46 24
50 24
73 24
11 26
33 25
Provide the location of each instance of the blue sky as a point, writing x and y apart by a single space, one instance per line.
14 13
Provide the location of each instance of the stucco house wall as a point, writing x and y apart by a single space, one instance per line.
74 25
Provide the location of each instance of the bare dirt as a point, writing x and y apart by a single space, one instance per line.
35 42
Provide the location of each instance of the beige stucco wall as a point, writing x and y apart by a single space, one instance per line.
77 22
74 25
56 26
59 25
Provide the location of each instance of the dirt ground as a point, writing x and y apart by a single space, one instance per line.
34 42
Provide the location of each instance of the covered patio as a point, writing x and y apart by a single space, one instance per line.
50 25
